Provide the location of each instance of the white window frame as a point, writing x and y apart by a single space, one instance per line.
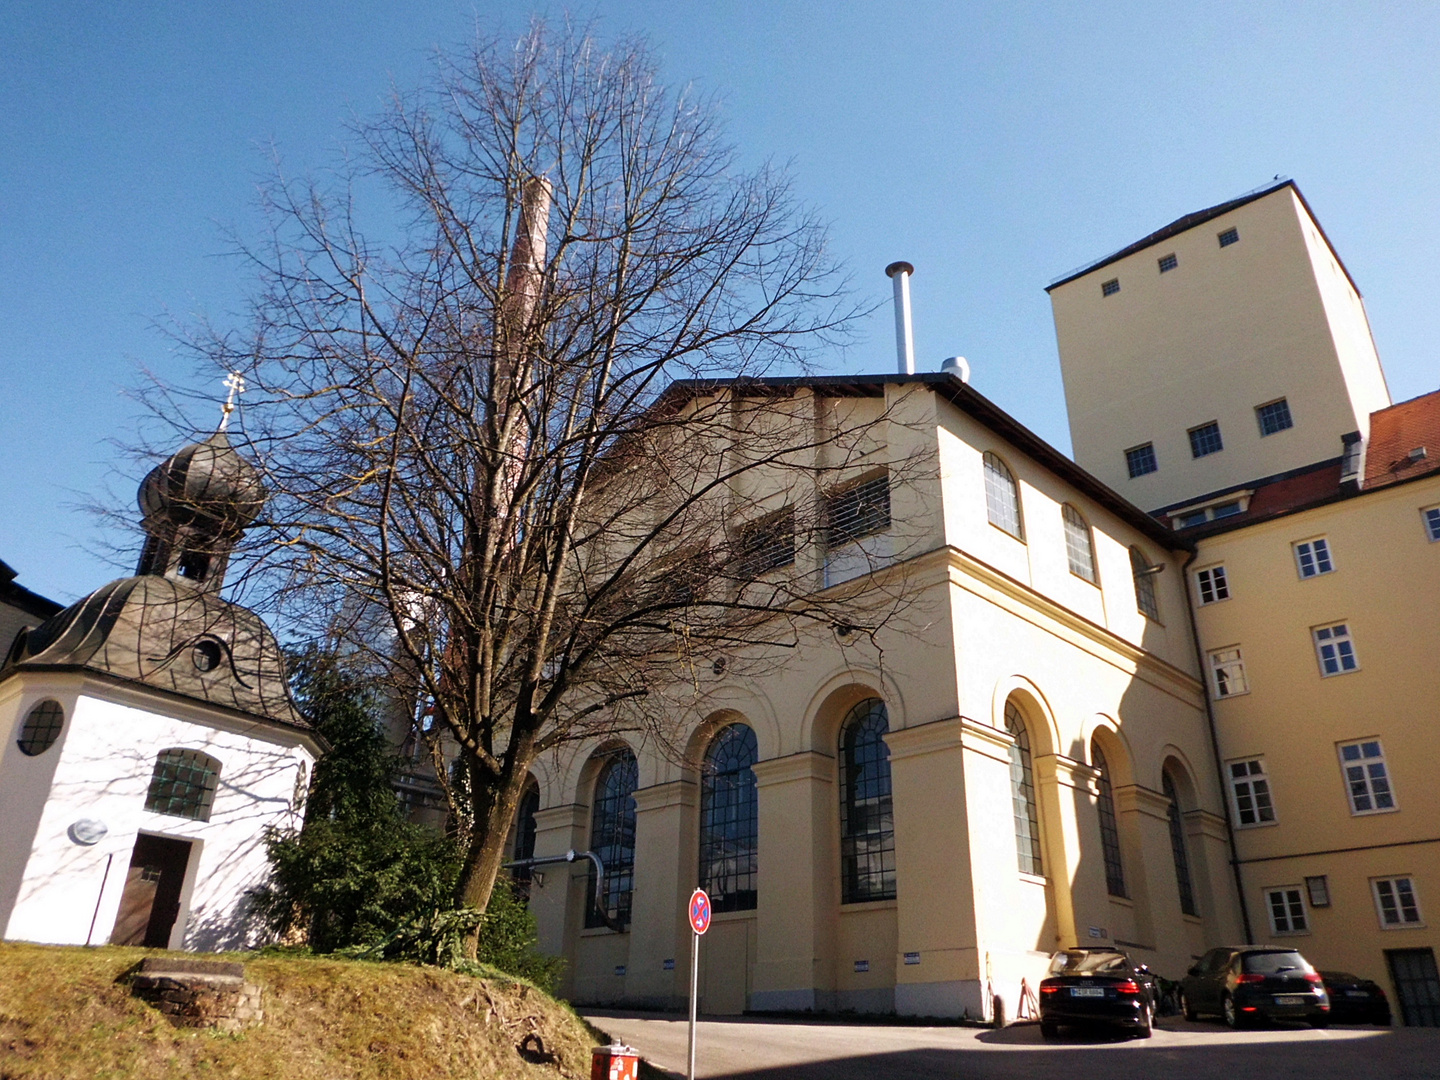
1394 885
1079 544
1233 666
1366 764
1337 635
1430 518
1303 548
1218 582
1290 895
1254 781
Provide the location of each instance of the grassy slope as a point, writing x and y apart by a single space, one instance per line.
63 1015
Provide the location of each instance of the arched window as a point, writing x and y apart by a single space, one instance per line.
1002 497
867 822
1144 584
1022 792
525 836
612 837
1177 848
729 819
1079 544
1109 829
183 784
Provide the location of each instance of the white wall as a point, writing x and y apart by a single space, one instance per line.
101 768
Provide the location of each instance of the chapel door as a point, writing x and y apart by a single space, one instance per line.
151 900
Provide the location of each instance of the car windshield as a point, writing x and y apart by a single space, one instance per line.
1079 961
1274 963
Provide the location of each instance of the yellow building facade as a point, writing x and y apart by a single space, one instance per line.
1019 762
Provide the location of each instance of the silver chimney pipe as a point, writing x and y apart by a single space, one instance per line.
899 273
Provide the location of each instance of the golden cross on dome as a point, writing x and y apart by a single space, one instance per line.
235 383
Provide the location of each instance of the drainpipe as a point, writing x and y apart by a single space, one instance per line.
1215 750
571 856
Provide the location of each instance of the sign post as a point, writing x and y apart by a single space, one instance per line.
699 913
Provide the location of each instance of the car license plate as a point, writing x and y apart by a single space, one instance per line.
1290 999
1357 993
1087 991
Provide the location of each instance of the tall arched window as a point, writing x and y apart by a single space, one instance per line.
1177 848
1022 793
1002 497
729 819
867 822
1079 544
525 835
183 784
1144 584
612 837
1109 828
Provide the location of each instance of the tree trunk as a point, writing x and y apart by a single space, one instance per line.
493 803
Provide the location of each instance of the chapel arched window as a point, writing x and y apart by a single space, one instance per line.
729 819
525 836
1002 497
1109 826
1022 795
867 820
612 837
1079 544
1144 574
1177 848
183 784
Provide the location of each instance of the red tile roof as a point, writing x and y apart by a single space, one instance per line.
1395 432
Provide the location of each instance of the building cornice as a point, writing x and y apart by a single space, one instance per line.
805 765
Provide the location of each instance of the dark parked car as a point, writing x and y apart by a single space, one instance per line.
1098 986
1244 984
1354 1000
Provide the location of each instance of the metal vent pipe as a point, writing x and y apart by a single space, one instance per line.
899 273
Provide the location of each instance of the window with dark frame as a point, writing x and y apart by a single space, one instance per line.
1177 847
612 837
1432 523
1022 794
1205 440
1144 575
41 728
1273 417
1109 826
1140 460
1168 263
1228 237
867 821
729 819
183 784
1110 288
1213 584
769 544
525 838
856 511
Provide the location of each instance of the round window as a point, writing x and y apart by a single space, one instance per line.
206 655
41 728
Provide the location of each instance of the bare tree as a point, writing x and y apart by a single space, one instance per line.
535 435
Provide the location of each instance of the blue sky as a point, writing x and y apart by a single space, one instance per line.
995 146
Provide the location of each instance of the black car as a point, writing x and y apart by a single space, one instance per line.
1245 984
1354 1000
1098 986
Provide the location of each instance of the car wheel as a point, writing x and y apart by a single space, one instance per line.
1147 1023
1186 1008
1049 1030
1230 1012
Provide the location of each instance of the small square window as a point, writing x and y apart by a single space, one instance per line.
1224 510
1191 519
1319 890
1335 649
1250 789
1367 781
1274 417
1110 288
1229 236
1167 263
1286 906
1432 522
1227 668
1312 557
1214 586
1141 460
1205 439
1396 903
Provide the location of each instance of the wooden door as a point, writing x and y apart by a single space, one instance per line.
151 900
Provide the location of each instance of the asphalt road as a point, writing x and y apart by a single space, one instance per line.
762 1049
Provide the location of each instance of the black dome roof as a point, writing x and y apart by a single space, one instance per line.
205 482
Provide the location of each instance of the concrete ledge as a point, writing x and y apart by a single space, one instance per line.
955 999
